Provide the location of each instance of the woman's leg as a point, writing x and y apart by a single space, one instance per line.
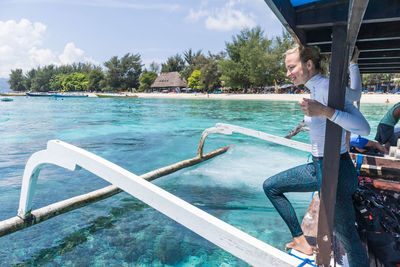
298 179
344 215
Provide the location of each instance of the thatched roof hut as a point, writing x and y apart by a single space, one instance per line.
169 80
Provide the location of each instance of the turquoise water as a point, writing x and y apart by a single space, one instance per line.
141 135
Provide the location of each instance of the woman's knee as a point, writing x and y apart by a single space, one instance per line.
269 187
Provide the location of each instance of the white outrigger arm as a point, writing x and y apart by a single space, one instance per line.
229 238
230 129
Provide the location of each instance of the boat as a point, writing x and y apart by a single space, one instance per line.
41 94
222 234
13 94
213 229
58 94
116 95
6 99
65 95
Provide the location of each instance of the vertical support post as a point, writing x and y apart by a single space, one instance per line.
330 170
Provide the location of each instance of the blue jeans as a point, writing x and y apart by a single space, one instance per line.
307 178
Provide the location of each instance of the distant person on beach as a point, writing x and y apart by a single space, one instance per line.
304 66
360 144
385 132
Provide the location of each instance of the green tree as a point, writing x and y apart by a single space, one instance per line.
194 61
41 81
194 80
397 80
56 82
113 77
250 60
377 78
146 80
174 63
123 73
96 76
280 46
131 67
209 73
190 56
154 67
29 76
75 82
16 80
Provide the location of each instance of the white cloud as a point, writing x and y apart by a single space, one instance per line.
21 46
229 19
71 54
225 18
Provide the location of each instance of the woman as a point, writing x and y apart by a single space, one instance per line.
303 66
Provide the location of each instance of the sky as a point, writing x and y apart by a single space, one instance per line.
41 32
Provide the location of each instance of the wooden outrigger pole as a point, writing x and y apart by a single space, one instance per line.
43 214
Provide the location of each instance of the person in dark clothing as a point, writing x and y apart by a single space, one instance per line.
360 144
385 132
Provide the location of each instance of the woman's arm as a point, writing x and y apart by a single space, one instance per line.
350 119
377 146
353 93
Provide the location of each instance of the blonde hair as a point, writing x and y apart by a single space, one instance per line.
313 53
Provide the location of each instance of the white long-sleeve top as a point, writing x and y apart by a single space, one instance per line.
350 119
353 93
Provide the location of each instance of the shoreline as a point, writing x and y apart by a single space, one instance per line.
365 98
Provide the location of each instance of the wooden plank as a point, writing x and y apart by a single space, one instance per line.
382 68
379 71
368 32
379 59
321 14
285 12
356 13
330 170
379 54
309 225
388 62
389 45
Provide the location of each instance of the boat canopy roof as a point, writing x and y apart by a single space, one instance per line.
375 25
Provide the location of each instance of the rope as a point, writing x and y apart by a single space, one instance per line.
305 260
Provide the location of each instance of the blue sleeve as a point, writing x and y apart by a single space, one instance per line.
358 142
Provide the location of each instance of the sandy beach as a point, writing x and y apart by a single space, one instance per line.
366 98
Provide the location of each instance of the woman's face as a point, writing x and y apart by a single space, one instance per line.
298 71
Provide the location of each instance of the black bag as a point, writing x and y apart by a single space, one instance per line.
377 218
384 247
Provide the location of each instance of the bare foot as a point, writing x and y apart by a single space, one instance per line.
300 244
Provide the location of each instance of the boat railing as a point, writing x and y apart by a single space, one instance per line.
229 238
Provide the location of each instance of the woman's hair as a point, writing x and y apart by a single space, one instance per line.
321 62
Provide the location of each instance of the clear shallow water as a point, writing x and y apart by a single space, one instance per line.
142 135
